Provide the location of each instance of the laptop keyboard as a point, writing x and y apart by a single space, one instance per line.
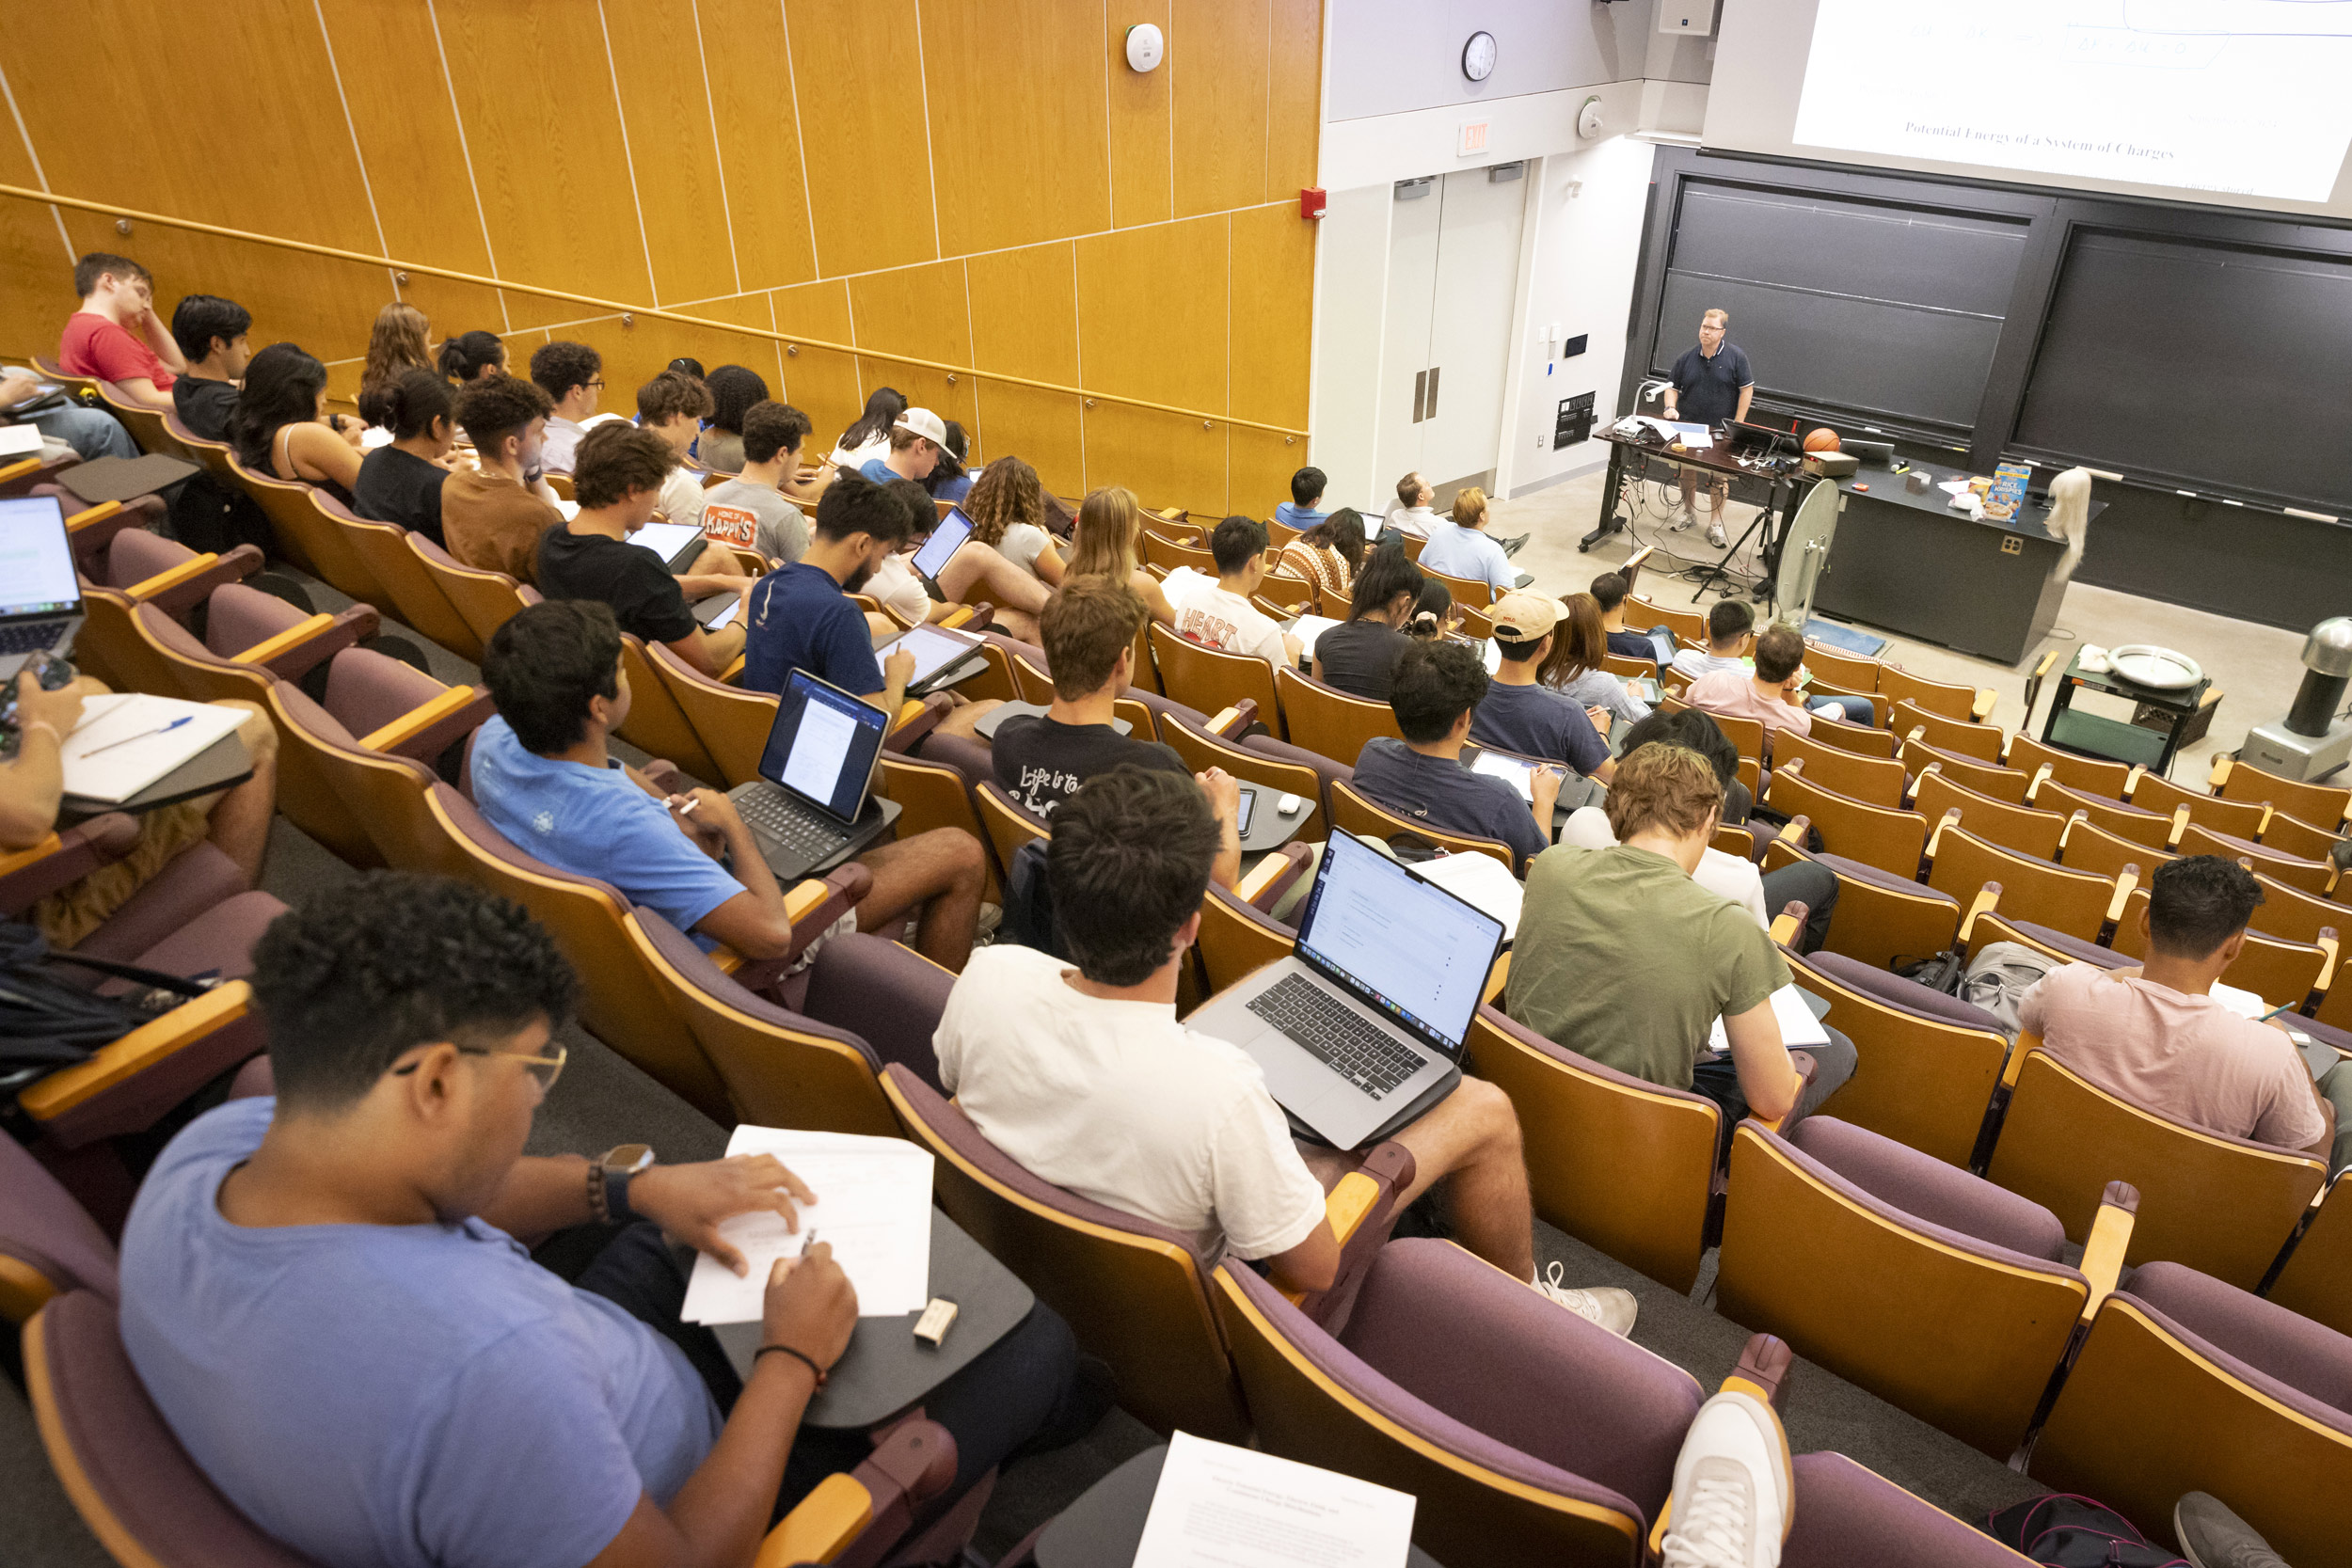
31 637
785 820
1342 1038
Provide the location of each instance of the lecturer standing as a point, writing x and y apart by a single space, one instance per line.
1711 384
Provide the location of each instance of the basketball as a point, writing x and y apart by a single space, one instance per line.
1820 438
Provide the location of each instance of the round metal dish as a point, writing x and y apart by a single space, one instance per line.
2158 668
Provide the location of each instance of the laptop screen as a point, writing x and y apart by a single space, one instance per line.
946 540
36 563
1406 946
823 746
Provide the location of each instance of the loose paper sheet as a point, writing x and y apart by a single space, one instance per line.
96 769
1478 879
1798 1026
873 1205
1224 1507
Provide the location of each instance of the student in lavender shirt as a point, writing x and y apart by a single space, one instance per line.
323 1293
1436 689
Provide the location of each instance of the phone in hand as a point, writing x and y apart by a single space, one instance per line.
54 673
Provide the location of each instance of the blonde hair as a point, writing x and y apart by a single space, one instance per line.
1467 505
1103 544
396 343
1719 316
1007 492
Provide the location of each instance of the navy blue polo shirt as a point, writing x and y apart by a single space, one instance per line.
1706 391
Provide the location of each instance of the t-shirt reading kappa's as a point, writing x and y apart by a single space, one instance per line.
747 516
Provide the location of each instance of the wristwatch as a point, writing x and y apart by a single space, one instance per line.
609 1179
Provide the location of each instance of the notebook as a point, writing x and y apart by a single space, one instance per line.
127 741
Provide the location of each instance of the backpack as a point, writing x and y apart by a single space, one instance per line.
1030 902
1998 978
2072 1531
207 515
48 1021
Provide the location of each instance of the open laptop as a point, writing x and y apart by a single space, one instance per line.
946 540
1371 1011
40 598
809 806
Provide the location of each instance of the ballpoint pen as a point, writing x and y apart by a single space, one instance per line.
143 734
808 1241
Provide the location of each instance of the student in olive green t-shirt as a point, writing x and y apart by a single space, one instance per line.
1620 957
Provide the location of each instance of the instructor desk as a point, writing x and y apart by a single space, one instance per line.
1910 563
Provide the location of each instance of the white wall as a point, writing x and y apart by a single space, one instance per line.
1391 57
1587 226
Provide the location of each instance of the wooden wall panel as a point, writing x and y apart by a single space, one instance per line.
1152 312
1216 68
1262 464
657 54
1139 171
635 354
1165 459
1273 261
857 71
1016 166
923 311
822 384
533 88
36 274
1294 97
408 137
1024 321
759 139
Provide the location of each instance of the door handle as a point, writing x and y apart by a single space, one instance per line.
1420 386
1433 391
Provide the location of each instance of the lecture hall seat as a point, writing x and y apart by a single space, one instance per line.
1937 795
1990 779
1927 1062
1208 680
2281 971
1330 723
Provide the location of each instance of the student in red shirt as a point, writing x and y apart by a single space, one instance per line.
115 335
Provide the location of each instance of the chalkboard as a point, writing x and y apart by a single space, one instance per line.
1870 306
2200 363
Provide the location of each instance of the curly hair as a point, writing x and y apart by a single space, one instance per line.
560 366
1669 787
1007 492
616 460
397 342
349 981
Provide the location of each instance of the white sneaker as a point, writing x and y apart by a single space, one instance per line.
1684 519
1715 534
1605 1304
1732 1499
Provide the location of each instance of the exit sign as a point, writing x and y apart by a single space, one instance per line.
1473 138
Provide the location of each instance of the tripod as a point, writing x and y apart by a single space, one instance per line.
1765 518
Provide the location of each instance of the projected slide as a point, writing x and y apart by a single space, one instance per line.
2243 96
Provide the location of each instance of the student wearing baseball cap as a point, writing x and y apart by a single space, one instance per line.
1519 713
916 441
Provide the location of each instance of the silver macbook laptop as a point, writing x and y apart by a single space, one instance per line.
808 807
1371 1009
40 598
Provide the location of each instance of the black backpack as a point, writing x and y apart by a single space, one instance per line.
48 1021
2073 1531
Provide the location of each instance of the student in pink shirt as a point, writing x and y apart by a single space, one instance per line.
2154 1036
100 340
1770 695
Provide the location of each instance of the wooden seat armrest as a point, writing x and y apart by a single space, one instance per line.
2111 1237
1632 567
268 648
2220 774
1981 709
294 660
1951 819
958 619
29 875
93 516
1273 876
1911 795
142 1048
1798 826
400 733
1763 1370
2027 1041
814 906
1789 922
1360 1209
918 718
2124 886
152 589
2180 826
1498 980
2073 822
2329 944
1988 898
2041 777
667 776
870 1507
18 474
1230 723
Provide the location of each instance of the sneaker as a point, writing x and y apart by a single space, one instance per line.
991 916
1732 1502
1511 547
1684 519
2213 1537
1605 1304
1715 534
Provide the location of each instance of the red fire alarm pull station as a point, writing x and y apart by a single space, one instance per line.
1310 202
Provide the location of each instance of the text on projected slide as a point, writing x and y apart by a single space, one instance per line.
2238 96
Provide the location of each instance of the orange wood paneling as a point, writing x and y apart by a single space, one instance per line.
535 90
1024 321
1019 136
1138 121
759 139
635 354
1273 269
658 56
1262 463
825 386
857 70
1217 68
1151 323
1165 459
923 311
1294 98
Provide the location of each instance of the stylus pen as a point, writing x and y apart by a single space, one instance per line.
808 1241
687 809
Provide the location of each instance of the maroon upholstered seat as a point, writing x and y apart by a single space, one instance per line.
1896 992
42 1227
1846 1516
2303 1363
198 878
1921 1187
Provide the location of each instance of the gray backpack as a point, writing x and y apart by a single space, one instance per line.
1998 978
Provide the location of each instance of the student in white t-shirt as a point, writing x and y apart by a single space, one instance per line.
1222 616
1085 1077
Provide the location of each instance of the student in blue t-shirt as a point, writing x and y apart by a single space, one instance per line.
802 619
544 776
1304 510
1437 688
323 1294
1518 712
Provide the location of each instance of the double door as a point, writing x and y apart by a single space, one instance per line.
1453 255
